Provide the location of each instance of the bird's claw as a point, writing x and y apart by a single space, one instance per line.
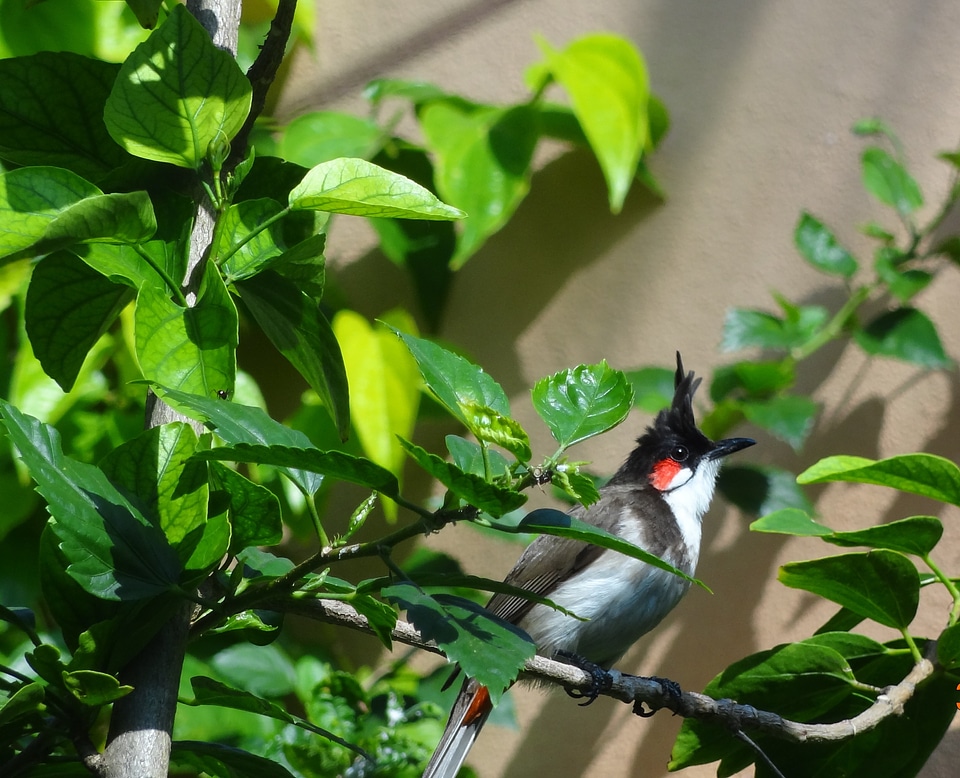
601 679
671 691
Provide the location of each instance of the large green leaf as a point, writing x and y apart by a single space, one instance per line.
799 681
744 328
483 157
297 327
789 418
69 306
472 489
486 648
652 388
113 550
51 113
360 188
880 585
335 464
236 423
384 386
321 136
925 474
887 180
194 348
177 94
123 263
607 81
223 761
255 518
907 334
241 225
751 378
585 401
46 208
818 245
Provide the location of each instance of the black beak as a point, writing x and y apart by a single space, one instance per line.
723 447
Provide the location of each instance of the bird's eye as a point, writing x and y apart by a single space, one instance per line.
679 453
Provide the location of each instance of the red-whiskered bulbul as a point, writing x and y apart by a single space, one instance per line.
656 501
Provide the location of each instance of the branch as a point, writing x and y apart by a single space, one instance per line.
652 692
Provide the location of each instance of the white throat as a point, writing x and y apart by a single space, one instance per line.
689 496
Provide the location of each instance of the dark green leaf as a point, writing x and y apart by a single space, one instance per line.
69 306
360 188
482 158
297 327
25 701
113 551
848 644
486 648
580 403
472 489
381 617
887 180
242 424
906 334
255 517
903 284
192 349
223 761
335 464
754 379
177 95
791 521
744 328
880 585
240 223
818 245
924 474
789 418
916 535
948 647
125 264
51 113
468 456
549 521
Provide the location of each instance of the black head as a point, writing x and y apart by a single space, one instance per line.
674 438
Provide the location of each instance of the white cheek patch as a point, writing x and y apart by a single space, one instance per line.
681 477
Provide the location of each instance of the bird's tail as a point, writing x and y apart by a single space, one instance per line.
468 716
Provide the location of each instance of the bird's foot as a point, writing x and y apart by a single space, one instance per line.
671 691
602 680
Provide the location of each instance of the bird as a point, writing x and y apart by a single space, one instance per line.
656 500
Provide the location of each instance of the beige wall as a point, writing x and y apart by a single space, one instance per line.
762 95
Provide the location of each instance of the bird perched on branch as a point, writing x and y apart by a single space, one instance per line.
656 501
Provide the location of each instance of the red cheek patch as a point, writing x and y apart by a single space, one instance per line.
663 472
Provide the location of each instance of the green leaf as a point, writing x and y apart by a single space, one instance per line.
903 284
154 470
51 113
580 486
470 488
240 221
360 188
848 644
887 180
210 692
948 647
415 91
800 681
924 474
818 245
94 689
468 456
751 378
335 464
28 700
192 349
456 382
243 424
585 401
790 521
607 81
320 136
550 521
69 306
482 157
125 264
760 490
906 334
384 386
486 648
255 518
789 418
113 551
223 761
297 327
880 585
916 535
46 208
744 328
177 94
493 427
652 388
